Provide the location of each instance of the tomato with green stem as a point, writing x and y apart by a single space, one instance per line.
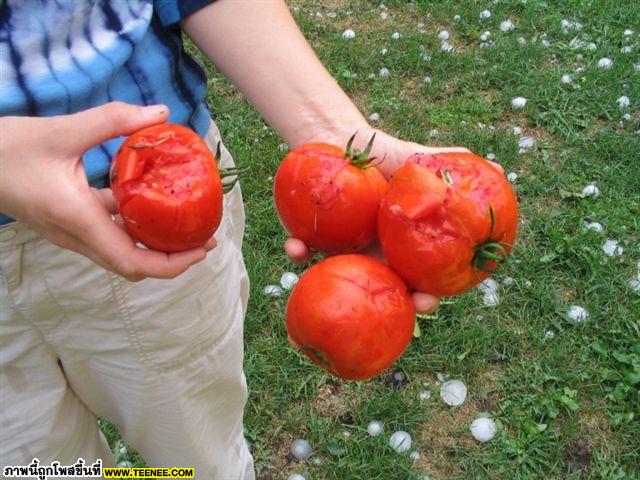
168 187
329 197
447 221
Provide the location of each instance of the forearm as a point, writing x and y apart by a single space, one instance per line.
259 47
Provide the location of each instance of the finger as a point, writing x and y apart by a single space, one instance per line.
96 125
211 244
446 150
497 165
105 195
297 251
424 302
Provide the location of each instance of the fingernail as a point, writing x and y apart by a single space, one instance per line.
154 110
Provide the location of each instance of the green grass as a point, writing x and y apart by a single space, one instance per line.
567 406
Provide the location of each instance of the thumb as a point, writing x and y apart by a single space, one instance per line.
99 124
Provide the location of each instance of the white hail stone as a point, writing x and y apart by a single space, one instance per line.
526 142
301 449
577 314
456 18
424 395
374 117
626 49
485 14
623 101
453 392
612 249
485 36
395 35
483 429
605 63
518 103
427 58
443 35
420 25
414 455
488 285
446 47
441 376
517 130
384 51
332 15
384 15
506 25
565 23
374 428
636 67
522 40
125 464
628 32
400 441
348 34
427 80
508 281
491 299
566 79
272 290
491 156
512 176
549 334
295 476
545 42
591 190
288 280
635 285
594 226
384 72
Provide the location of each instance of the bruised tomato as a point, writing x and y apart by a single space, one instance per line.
352 315
168 188
328 197
446 221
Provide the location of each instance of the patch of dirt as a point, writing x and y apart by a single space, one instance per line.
577 458
329 402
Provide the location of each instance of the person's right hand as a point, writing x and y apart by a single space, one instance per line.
44 186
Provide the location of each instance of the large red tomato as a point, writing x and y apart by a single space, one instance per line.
446 221
352 315
167 187
329 198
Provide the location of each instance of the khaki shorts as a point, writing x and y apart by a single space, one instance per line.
160 359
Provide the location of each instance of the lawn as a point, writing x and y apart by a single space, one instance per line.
564 393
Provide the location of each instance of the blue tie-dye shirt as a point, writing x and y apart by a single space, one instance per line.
64 56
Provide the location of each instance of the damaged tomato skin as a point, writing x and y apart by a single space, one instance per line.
168 188
352 315
430 231
325 201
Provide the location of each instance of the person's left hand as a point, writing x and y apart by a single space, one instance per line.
394 152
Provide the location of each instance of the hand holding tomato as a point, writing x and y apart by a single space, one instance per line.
48 189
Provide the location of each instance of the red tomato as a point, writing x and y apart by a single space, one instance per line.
329 198
167 187
446 220
352 315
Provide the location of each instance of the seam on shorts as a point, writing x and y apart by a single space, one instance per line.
120 295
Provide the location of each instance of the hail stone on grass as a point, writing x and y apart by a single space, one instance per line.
288 280
346 433
591 190
628 32
526 143
426 57
272 290
374 117
295 476
420 25
488 285
518 103
485 14
612 249
443 35
316 460
549 334
491 156
512 176
626 49
400 441
384 72
635 285
623 101
301 449
491 299
427 80
414 456
595 226
425 395
605 63
506 25
577 314
125 464
384 51
483 429
522 41
626 117
332 15
566 79
545 42
453 392
446 47
374 428
383 15
441 376
395 35
517 130
348 34
485 36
